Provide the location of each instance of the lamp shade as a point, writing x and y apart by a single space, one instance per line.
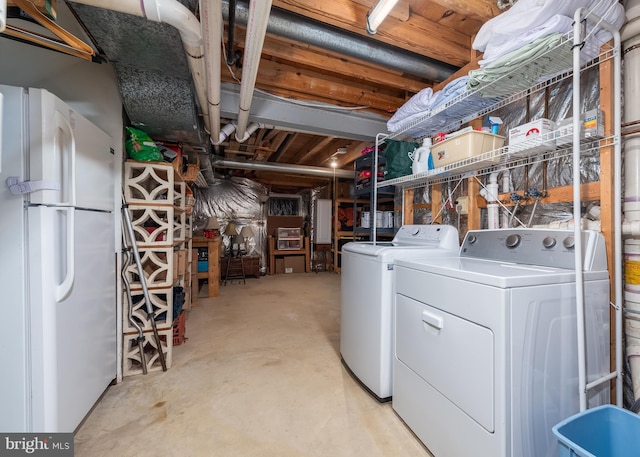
246 232
212 224
231 229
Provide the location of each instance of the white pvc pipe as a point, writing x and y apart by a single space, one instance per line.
225 133
256 30
506 187
250 131
490 194
211 15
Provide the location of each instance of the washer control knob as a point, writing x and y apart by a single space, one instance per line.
415 232
512 241
569 242
549 242
472 239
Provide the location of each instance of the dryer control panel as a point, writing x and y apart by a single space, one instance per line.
542 247
443 236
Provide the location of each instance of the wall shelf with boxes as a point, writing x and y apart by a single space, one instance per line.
373 207
156 201
480 156
345 217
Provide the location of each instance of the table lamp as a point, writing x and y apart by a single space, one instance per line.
230 230
237 246
212 228
246 233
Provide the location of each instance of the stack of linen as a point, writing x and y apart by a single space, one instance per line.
526 33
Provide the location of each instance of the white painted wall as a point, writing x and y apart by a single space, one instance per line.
89 88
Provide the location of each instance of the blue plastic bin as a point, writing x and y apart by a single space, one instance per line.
203 265
605 431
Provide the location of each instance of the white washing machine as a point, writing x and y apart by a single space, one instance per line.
367 294
486 347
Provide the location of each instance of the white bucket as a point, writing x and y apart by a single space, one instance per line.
366 219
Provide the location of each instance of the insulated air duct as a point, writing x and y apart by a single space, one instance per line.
298 28
177 15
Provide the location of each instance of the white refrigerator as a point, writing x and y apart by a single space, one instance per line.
57 264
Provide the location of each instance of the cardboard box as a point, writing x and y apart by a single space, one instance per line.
294 264
532 138
467 145
279 265
592 127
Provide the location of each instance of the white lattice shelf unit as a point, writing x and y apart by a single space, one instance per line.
156 200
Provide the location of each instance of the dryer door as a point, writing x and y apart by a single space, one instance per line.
452 354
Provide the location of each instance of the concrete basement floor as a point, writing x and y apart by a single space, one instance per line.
259 375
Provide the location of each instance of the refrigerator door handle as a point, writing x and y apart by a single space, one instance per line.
69 148
64 288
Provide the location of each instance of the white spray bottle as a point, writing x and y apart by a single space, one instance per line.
421 157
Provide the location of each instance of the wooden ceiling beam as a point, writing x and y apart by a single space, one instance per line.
482 9
418 34
353 152
290 180
273 74
284 147
317 148
345 67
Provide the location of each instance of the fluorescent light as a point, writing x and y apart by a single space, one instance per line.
380 11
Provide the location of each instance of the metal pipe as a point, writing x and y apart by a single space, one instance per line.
577 203
338 40
218 162
151 315
140 340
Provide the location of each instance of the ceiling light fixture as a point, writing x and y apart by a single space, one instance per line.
380 11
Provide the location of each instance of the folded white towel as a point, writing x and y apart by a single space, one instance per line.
556 24
526 15
418 104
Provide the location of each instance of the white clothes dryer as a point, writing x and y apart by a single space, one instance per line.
486 348
367 293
